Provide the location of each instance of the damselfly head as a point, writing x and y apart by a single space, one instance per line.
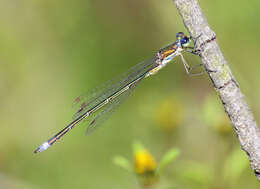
183 39
179 35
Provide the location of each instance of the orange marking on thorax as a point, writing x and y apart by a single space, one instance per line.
167 53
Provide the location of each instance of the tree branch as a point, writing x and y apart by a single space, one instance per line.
224 82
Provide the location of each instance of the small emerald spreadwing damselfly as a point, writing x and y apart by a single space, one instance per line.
106 100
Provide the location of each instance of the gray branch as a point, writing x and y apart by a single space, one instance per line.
224 82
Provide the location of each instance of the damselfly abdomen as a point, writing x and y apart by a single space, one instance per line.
112 94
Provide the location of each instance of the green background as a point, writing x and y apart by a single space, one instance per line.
53 51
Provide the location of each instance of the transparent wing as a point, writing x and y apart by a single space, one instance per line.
109 109
84 102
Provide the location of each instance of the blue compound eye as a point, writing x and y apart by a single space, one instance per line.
185 40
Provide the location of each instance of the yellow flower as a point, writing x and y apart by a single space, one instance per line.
144 162
145 166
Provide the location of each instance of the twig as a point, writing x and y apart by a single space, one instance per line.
224 82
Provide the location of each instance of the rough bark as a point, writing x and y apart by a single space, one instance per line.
227 87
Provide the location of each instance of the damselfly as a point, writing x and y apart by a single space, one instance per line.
112 95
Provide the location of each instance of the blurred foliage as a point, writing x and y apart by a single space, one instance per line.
53 51
214 115
170 114
234 166
195 174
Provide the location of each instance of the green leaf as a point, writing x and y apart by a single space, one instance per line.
196 174
122 162
234 166
212 111
167 159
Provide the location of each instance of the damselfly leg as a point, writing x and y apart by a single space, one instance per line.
188 69
195 51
